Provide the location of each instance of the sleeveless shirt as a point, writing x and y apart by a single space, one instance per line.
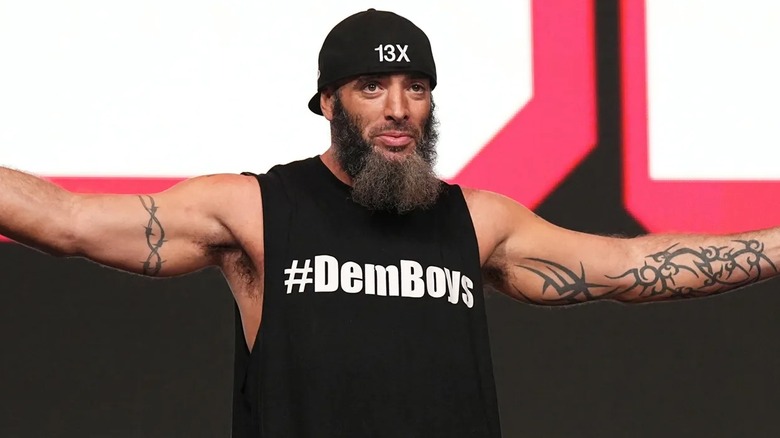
373 323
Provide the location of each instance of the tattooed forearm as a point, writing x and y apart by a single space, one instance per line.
676 272
155 238
717 269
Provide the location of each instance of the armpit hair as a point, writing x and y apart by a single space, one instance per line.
493 275
234 260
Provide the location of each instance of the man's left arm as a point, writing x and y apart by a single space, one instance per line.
538 262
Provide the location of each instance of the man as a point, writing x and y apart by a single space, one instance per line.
358 274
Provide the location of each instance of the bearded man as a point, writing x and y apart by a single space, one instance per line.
358 274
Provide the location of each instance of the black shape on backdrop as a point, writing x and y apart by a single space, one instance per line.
92 352
702 367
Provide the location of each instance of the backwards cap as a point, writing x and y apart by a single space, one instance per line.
372 42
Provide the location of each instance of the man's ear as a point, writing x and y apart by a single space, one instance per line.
327 96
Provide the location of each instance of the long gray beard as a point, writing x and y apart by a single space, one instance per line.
380 184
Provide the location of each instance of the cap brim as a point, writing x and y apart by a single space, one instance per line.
314 104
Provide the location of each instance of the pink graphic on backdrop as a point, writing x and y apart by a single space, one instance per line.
556 129
115 185
684 206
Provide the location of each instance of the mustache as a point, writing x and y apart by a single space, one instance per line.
397 126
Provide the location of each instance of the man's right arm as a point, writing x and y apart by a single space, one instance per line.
163 234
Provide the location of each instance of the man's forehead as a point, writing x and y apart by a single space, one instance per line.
404 75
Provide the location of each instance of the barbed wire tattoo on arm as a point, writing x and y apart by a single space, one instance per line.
155 238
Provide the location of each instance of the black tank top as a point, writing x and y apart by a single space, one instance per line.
373 323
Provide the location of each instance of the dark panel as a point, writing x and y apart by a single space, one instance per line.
698 368
93 352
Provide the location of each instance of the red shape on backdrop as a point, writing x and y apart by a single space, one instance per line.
556 129
685 206
115 185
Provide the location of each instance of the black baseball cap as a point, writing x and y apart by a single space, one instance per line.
372 42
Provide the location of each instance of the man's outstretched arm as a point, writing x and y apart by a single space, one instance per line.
535 261
163 234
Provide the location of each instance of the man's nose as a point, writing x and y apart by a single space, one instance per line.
396 104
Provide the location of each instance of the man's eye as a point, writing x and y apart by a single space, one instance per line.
418 88
371 86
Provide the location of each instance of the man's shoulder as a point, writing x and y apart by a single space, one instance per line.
221 188
478 198
301 165
494 208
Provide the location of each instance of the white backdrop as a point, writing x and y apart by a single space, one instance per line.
713 80
173 88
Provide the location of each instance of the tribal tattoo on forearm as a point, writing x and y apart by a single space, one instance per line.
155 238
676 272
